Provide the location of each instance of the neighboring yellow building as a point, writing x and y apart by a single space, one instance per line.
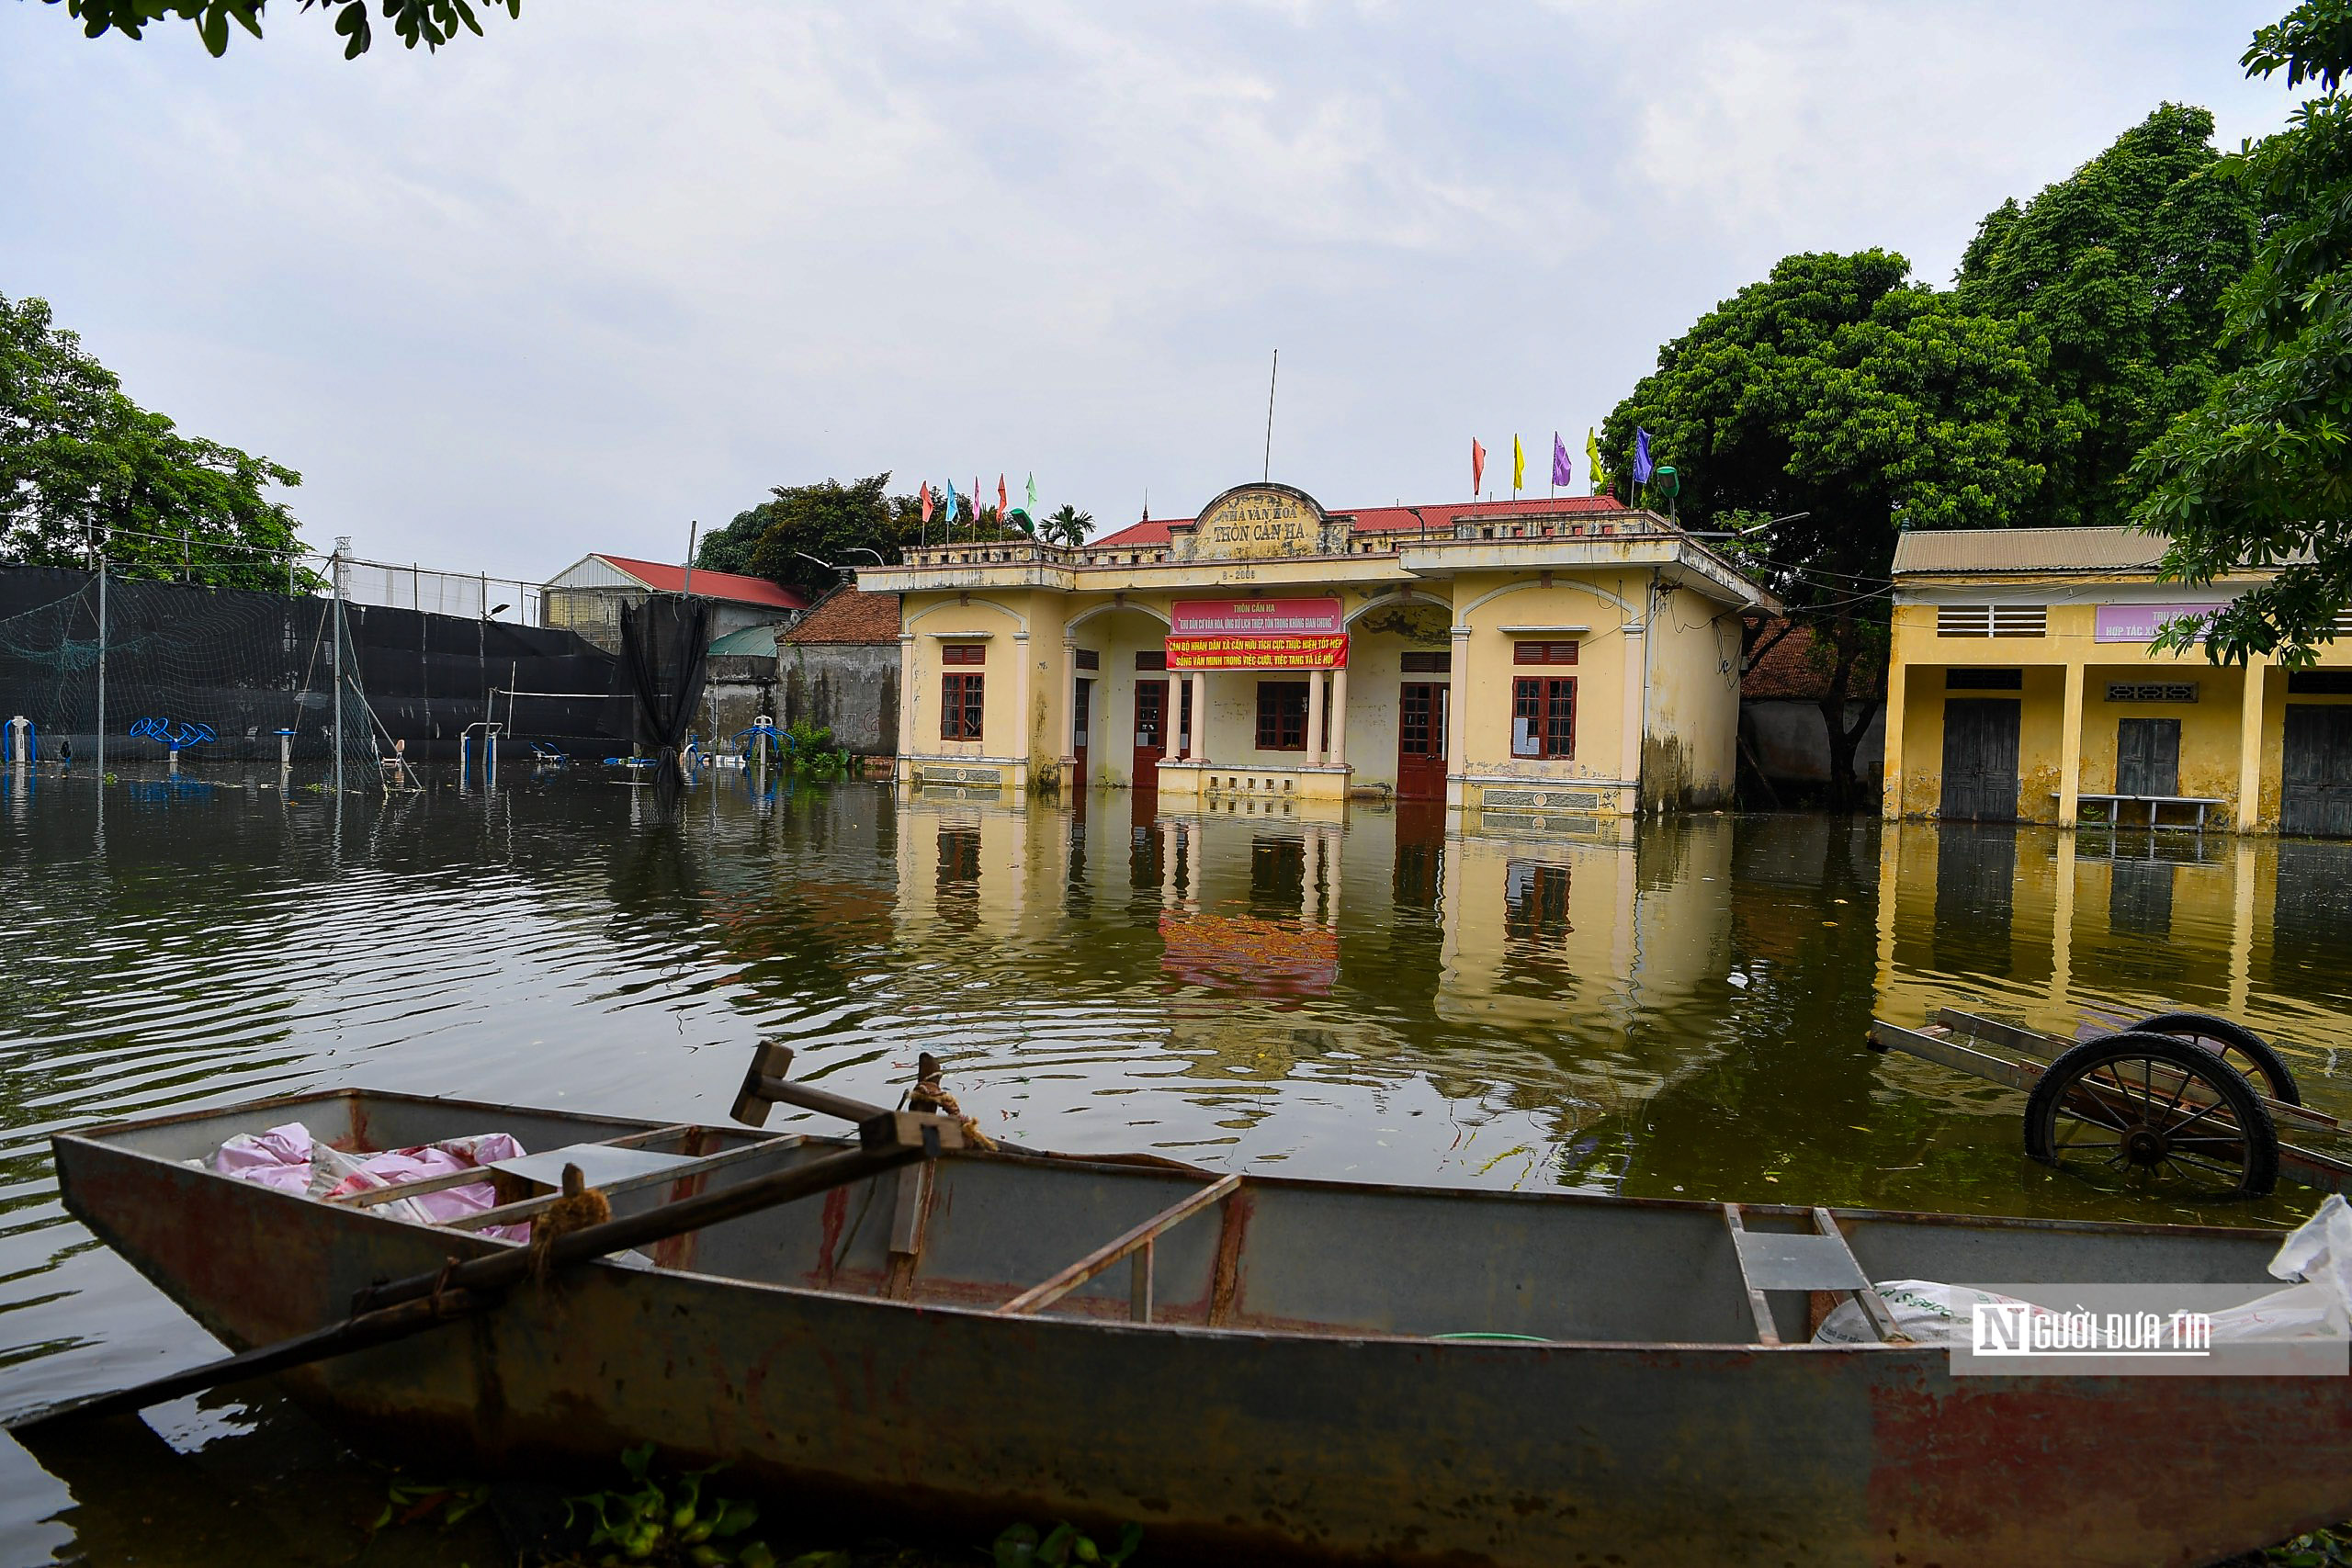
2021 688
1558 655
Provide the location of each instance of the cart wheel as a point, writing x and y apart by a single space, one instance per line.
2163 1113
2235 1043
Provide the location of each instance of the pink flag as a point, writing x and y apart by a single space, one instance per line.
1477 466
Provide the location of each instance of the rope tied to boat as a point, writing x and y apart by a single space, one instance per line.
928 1097
579 1207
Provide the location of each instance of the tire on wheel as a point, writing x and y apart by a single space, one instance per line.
2235 1043
2156 1130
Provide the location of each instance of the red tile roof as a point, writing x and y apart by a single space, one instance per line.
1786 670
848 614
663 578
1390 519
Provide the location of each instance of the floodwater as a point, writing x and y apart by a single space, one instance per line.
1677 1008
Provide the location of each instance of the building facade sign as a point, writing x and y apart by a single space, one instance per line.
1257 522
1256 634
2140 622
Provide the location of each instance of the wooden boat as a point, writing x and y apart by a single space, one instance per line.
1257 1369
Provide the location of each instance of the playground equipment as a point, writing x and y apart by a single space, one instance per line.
757 741
173 737
21 742
486 748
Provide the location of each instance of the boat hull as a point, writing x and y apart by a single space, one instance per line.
1243 1442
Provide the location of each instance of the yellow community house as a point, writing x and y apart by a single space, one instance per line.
2020 688
1556 655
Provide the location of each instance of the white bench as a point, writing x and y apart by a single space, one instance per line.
2116 803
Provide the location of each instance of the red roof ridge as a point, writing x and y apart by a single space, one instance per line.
664 577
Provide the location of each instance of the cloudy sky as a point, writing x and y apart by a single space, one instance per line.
618 265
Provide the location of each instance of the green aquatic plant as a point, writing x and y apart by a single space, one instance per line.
1021 1547
668 1526
414 1502
2329 1548
810 753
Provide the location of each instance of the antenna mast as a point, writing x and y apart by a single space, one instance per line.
1268 471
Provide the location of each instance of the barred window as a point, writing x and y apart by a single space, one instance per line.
1992 620
959 706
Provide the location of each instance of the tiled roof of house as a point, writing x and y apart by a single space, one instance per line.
1390 519
848 614
663 578
1786 671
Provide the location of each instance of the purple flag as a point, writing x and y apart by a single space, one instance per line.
1560 474
1643 466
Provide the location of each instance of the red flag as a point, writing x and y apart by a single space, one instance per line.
1003 505
926 502
1477 466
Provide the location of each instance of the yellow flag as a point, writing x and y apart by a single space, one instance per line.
1592 455
1518 465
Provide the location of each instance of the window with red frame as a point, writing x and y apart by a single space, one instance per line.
1544 716
959 706
964 653
1282 715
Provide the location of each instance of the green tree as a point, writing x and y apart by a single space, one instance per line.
429 22
1845 401
1068 526
2257 476
82 467
2120 269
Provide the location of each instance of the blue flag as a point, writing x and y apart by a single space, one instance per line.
1643 466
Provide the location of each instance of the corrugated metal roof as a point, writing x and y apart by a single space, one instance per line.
1991 551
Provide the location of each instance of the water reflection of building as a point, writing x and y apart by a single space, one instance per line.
1566 969
2066 929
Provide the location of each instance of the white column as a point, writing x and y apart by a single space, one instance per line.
1340 716
1070 699
1457 706
1315 719
1197 744
907 677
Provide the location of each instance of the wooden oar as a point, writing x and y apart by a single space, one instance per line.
402 1307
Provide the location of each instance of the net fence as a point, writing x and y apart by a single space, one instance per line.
135 671
473 595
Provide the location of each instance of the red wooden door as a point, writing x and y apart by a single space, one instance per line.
1420 741
1152 731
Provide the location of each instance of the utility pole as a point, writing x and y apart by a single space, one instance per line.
334 565
102 664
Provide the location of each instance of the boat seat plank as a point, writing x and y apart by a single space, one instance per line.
368 1197
1040 1296
510 1214
1874 1305
1766 1332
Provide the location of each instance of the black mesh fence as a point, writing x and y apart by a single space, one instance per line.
220 674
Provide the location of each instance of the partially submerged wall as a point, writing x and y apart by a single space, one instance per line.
850 688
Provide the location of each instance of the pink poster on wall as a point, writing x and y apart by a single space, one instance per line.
2138 623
